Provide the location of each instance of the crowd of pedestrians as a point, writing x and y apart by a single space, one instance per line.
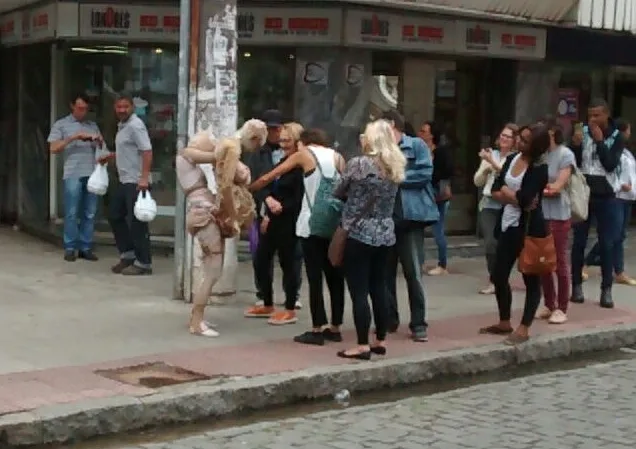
352 222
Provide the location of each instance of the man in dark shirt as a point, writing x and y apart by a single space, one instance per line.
259 163
598 152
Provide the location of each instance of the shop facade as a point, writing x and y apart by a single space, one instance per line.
324 66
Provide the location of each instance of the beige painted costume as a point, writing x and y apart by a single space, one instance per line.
211 217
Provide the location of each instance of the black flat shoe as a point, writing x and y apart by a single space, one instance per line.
378 350
358 356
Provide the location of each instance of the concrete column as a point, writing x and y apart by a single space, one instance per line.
213 105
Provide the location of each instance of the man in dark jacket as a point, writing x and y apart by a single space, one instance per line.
598 151
259 163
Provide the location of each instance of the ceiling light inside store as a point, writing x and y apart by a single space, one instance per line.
247 54
120 51
158 51
292 57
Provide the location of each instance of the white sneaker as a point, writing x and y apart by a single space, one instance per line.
543 313
299 305
558 317
259 303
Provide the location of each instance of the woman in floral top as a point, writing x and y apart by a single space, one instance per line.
369 186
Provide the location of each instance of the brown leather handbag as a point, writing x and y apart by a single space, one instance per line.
339 238
538 256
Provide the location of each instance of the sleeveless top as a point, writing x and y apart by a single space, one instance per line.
326 159
511 213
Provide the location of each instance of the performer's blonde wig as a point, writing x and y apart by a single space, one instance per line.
236 205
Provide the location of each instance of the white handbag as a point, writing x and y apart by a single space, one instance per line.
145 207
579 195
98 181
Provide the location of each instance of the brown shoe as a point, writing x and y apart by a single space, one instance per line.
121 265
625 280
134 270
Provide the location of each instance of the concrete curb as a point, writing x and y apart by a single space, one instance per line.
172 405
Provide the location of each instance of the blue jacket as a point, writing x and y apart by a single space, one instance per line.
415 202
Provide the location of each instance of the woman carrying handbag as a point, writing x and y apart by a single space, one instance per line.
522 234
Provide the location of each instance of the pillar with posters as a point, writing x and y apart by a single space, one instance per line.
213 106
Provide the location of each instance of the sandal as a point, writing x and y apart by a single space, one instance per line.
495 329
515 339
204 331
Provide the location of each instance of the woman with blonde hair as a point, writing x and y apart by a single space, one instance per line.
317 160
369 186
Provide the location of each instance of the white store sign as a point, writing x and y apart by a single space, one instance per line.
130 23
289 26
29 25
413 33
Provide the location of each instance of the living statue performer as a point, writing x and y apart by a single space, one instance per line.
216 214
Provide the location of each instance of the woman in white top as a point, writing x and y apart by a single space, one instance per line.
317 160
492 160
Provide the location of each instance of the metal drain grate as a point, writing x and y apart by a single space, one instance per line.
152 375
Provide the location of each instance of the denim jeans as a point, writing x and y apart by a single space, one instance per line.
594 256
408 251
440 234
131 235
79 204
608 216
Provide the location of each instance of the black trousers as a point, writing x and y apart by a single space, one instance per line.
315 252
132 236
284 243
509 247
299 275
365 271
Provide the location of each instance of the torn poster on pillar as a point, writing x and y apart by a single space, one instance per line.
226 88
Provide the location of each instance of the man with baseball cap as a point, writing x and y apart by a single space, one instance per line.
262 162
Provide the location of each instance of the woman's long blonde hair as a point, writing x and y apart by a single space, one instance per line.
378 142
294 130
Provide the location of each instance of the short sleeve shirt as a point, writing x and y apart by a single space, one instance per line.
131 141
558 207
79 156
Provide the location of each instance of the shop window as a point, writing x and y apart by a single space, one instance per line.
150 74
9 135
265 81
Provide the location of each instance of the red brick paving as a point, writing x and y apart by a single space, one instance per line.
23 391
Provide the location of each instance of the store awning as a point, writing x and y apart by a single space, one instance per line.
534 11
614 15
9 5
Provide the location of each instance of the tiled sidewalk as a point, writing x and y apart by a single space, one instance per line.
28 390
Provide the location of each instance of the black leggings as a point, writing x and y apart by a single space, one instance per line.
365 271
509 247
315 254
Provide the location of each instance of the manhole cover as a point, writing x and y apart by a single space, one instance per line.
152 375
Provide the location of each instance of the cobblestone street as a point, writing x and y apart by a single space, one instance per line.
588 408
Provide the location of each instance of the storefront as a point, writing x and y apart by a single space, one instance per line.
331 67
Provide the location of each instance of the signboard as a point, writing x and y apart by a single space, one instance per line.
28 25
317 26
424 34
504 41
370 29
129 22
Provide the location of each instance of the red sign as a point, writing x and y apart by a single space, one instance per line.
422 33
146 21
171 21
40 20
296 25
7 28
518 41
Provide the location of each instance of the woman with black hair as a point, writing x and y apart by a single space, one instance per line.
431 134
519 187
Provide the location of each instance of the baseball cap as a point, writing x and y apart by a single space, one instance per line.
272 118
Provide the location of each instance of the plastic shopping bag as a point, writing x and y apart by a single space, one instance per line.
145 207
98 181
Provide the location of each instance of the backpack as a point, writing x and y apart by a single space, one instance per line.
579 195
326 210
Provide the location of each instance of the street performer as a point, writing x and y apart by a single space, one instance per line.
218 203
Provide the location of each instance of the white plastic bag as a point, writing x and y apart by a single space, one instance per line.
98 181
145 207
